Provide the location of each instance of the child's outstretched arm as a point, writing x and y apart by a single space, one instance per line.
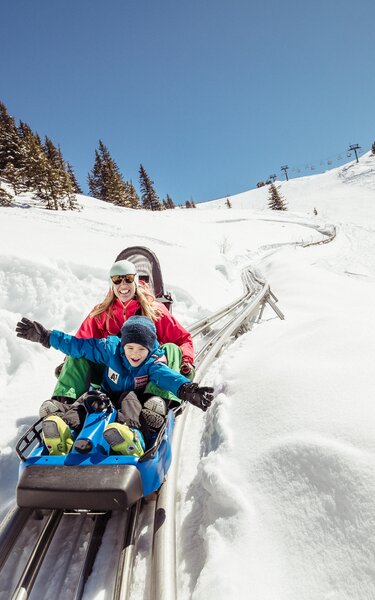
90 348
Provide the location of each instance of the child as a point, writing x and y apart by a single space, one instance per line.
130 363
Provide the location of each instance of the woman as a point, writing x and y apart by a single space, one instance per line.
126 297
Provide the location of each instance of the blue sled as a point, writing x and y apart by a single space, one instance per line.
97 480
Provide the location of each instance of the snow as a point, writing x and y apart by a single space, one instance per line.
276 497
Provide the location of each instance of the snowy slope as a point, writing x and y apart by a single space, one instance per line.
343 194
277 487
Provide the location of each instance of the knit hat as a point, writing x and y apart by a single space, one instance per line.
139 330
124 267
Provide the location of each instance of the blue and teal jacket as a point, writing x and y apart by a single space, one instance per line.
119 376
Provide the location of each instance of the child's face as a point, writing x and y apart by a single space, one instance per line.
135 353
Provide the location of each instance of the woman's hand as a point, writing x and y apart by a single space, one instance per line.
187 370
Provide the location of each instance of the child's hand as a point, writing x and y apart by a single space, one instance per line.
33 331
199 396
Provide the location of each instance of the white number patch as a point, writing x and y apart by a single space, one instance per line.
113 376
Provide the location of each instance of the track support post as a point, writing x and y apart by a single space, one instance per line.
270 299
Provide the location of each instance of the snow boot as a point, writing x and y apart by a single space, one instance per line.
124 440
154 411
57 436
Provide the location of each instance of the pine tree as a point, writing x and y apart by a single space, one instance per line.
188 204
5 198
106 182
45 171
373 148
132 196
13 176
170 202
27 164
149 197
68 189
94 179
76 187
48 184
114 185
34 160
31 150
10 151
57 188
275 200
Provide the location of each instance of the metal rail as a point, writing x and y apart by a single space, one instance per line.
11 527
207 322
35 561
127 554
164 575
97 532
164 584
250 283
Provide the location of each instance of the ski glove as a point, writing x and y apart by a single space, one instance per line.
199 396
95 401
188 370
33 331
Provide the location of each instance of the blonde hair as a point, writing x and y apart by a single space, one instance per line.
142 294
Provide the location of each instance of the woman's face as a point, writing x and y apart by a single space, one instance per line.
124 291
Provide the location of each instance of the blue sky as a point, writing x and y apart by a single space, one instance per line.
210 96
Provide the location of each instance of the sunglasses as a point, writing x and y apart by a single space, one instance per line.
117 279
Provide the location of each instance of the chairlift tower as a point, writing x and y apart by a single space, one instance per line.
285 168
273 178
354 148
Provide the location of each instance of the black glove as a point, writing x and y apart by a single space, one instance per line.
199 396
95 401
33 331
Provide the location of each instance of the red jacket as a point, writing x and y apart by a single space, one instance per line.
168 329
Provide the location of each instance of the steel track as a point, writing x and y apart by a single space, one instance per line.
88 529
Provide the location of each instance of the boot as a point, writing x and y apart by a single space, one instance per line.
124 440
154 411
57 436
